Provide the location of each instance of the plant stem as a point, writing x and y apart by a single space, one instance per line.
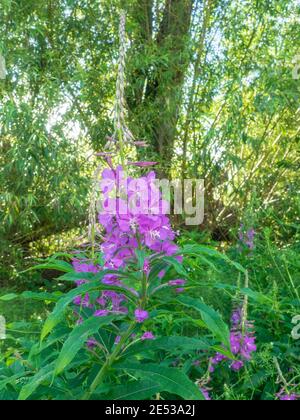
109 362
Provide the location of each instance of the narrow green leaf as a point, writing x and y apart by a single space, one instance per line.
137 390
210 317
200 250
9 297
42 376
57 315
171 380
78 338
170 344
53 265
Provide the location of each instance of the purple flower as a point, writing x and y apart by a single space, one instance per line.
141 315
82 267
133 216
91 343
80 282
247 237
77 301
118 339
205 394
147 336
79 321
236 317
85 302
237 365
147 267
291 397
242 344
283 395
218 358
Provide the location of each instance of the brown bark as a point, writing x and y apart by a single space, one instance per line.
161 99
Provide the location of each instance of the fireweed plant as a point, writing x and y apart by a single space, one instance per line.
107 331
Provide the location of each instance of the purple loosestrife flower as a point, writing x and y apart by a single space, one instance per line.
148 336
141 315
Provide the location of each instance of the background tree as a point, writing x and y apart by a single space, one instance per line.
210 86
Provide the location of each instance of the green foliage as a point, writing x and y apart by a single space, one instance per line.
211 88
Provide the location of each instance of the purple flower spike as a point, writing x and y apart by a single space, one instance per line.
141 315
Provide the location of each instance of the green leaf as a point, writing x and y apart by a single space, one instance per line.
210 317
58 313
170 344
53 265
72 277
200 250
42 376
53 297
63 303
9 297
10 380
179 268
137 390
171 380
256 296
78 338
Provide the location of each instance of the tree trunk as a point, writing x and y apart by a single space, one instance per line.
155 93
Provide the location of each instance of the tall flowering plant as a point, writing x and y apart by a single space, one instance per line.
112 334
127 284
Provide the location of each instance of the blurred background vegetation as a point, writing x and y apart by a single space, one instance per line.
212 86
